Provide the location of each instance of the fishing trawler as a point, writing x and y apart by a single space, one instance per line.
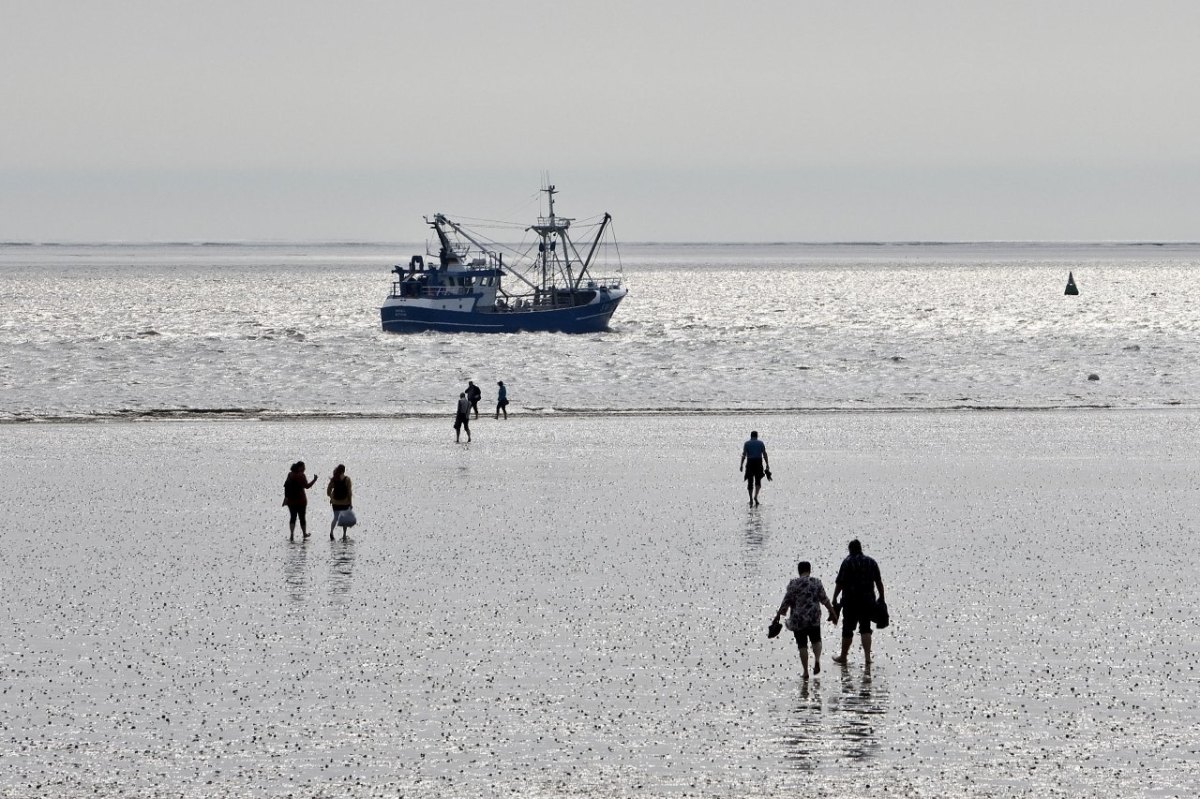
545 285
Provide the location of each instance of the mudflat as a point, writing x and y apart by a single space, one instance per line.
577 606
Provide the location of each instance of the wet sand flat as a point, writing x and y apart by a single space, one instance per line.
576 606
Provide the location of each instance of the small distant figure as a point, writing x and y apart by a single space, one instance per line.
857 580
502 400
295 498
802 602
341 497
474 394
754 465
462 417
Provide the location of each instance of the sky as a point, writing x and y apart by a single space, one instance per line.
263 120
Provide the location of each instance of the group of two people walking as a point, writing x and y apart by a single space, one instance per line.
339 490
468 402
854 602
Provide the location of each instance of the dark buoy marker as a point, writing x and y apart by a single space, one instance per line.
1071 288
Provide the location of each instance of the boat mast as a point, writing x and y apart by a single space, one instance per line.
550 229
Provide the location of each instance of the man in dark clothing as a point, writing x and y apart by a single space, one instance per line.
752 465
502 399
462 417
856 583
474 394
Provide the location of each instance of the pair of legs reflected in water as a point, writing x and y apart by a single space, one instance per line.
297 578
834 719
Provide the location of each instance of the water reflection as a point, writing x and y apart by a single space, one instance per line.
295 570
859 710
341 567
756 530
806 737
754 538
834 717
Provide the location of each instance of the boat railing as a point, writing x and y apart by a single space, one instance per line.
404 289
554 222
607 282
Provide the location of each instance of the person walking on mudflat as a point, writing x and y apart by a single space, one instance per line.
341 496
802 602
462 417
502 400
754 465
856 583
474 394
295 498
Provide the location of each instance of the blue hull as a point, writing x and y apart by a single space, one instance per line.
591 318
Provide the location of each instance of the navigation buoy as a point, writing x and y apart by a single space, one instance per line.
1071 288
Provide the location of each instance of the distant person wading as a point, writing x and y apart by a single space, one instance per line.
295 498
501 400
754 465
462 417
341 496
474 394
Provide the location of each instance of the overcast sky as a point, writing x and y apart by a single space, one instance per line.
713 121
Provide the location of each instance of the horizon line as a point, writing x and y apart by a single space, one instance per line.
647 243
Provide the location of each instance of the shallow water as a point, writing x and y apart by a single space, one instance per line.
577 606
134 330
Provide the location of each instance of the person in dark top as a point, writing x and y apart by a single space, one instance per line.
754 465
502 400
341 496
462 417
802 602
474 394
295 499
857 580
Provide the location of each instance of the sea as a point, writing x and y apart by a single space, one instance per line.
182 330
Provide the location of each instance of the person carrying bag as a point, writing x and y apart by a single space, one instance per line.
341 498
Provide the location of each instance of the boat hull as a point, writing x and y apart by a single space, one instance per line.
412 318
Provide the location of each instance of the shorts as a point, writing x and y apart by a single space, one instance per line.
461 421
806 634
754 470
856 615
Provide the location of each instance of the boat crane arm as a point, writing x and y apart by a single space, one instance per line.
447 254
466 235
595 243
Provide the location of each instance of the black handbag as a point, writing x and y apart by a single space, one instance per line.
880 616
774 629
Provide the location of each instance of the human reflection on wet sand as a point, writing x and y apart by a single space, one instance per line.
341 566
295 570
835 716
859 709
806 737
754 537
756 530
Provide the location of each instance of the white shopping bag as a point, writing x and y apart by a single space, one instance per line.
347 518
